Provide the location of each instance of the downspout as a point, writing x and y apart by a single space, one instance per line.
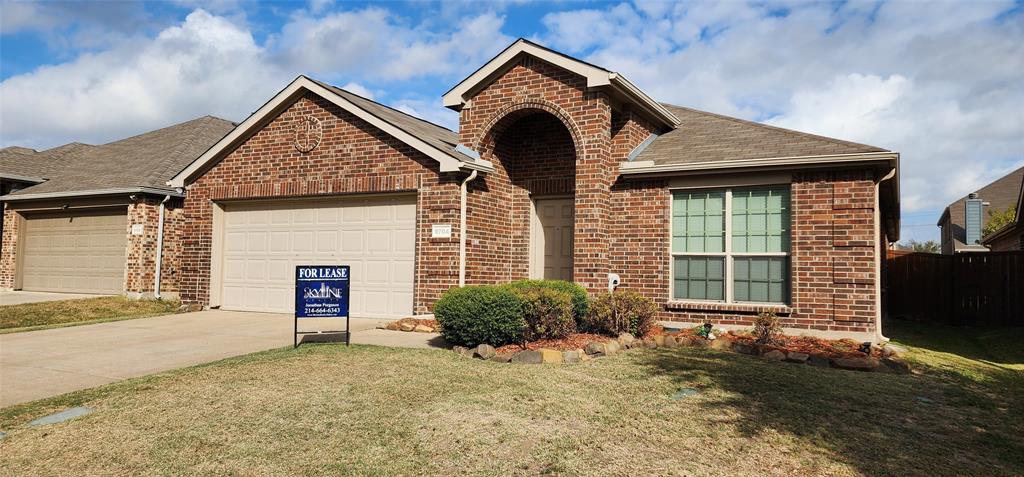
159 248
879 337
462 228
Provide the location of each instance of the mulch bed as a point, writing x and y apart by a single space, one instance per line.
572 342
843 348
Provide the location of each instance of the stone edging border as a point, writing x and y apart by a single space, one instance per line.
596 349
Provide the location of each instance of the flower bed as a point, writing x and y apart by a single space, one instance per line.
574 341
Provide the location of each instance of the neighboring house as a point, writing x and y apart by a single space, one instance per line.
560 169
1009 237
997 197
86 219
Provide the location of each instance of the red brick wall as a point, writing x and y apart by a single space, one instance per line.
832 253
532 86
141 259
8 259
353 157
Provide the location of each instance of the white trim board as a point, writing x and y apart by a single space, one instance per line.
283 99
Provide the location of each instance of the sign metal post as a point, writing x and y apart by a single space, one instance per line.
321 291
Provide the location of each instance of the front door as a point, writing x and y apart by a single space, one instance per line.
551 236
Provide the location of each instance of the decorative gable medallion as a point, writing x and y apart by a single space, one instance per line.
308 133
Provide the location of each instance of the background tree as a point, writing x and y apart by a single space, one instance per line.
996 220
930 246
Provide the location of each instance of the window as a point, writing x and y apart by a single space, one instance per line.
731 245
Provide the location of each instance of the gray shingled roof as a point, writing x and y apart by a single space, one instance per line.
146 160
438 136
709 137
1000 194
22 162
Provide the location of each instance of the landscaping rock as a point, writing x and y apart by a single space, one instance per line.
406 326
660 340
501 358
528 357
595 347
550 356
745 349
670 342
775 355
484 351
626 340
855 364
684 341
195 307
819 361
895 366
463 351
721 343
795 357
423 329
583 355
571 356
650 343
612 347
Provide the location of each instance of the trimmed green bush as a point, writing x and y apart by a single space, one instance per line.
578 294
481 315
621 311
548 313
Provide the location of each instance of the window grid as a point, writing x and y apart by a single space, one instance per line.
778 287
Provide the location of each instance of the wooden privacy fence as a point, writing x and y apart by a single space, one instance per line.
978 288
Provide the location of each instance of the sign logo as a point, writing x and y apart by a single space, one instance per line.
308 133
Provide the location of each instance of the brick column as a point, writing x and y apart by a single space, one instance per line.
9 254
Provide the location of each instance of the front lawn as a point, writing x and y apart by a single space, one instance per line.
52 314
325 409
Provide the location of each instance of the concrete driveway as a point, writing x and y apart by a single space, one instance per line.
44 363
20 297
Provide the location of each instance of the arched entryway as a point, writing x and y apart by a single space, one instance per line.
534 154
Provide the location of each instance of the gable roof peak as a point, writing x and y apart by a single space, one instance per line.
597 78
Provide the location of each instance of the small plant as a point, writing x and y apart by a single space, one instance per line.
548 313
481 315
621 311
767 328
575 291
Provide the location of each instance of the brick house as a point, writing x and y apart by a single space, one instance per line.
995 197
1009 237
80 218
560 169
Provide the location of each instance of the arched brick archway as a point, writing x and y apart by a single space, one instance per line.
509 114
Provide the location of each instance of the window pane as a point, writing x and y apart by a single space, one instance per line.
698 221
760 220
699 278
761 279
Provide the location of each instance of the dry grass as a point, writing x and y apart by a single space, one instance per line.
326 409
52 314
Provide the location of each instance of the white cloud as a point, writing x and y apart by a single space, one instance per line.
359 89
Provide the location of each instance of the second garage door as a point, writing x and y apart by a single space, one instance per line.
75 252
263 242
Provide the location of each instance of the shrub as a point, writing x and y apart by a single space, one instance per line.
481 315
621 311
767 328
576 292
548 313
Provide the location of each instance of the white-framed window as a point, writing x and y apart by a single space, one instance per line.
731 245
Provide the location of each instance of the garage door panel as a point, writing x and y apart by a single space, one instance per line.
82 252
374 236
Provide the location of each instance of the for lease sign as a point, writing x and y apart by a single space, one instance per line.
321 291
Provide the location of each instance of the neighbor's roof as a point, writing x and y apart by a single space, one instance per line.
147 160
29 165
703 137
1000 194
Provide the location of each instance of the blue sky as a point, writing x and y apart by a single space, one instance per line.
940 82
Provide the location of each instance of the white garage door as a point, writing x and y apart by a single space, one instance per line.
75 252
263 242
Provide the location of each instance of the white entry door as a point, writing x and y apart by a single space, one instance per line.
263 242
551 237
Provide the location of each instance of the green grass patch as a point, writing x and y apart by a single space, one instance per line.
54 314
327 409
